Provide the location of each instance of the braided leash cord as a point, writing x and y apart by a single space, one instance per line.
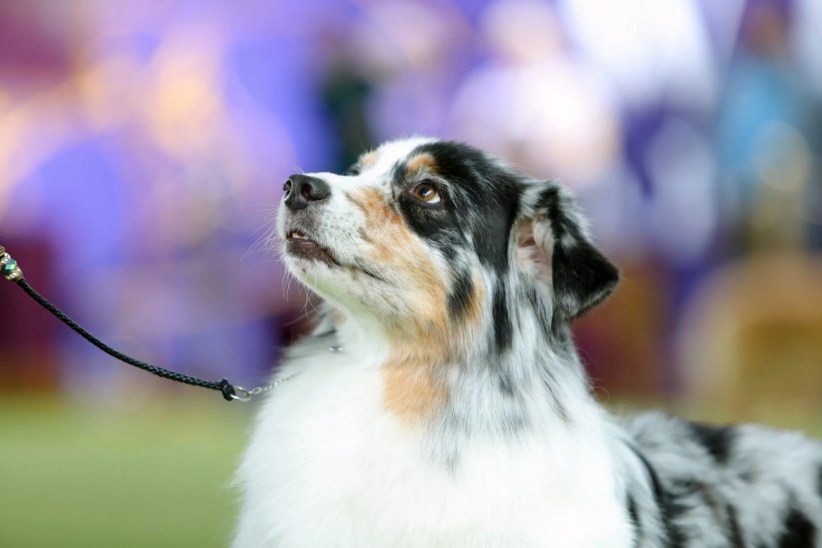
12 272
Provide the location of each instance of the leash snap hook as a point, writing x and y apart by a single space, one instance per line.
242 394
238 393
233 393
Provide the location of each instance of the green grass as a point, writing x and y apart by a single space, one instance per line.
157 476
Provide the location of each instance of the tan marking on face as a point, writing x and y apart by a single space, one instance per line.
375 208
368 159
420 163
394 248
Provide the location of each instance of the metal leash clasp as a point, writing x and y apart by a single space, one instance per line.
9 267
246 394
243 394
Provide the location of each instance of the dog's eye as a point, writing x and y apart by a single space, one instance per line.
426 192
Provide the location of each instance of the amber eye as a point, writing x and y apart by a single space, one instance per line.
426 192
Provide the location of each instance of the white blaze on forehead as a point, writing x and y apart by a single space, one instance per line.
395 151
381 162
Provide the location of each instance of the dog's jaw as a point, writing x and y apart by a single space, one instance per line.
300 246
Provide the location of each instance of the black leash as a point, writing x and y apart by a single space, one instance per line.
12 272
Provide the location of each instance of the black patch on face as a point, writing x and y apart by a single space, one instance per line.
480 202
798 531
460 296
437 224
717 440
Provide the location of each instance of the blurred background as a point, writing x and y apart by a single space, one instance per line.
143 147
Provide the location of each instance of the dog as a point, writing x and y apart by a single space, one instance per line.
440 401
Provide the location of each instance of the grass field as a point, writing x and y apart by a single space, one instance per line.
158 476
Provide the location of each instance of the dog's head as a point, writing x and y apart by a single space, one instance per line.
436 241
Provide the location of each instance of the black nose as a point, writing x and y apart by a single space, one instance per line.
300 190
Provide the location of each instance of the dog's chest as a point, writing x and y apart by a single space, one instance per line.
329 466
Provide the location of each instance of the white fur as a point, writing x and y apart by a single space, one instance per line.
329 466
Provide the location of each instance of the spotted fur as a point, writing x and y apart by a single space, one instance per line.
457 413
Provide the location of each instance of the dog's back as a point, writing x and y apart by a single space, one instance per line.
741 485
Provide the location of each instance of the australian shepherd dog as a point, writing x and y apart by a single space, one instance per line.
440 401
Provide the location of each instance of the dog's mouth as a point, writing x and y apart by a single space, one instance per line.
300 245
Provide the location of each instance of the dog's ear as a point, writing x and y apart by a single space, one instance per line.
553 245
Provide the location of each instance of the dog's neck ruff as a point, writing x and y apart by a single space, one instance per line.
357 436
537 386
